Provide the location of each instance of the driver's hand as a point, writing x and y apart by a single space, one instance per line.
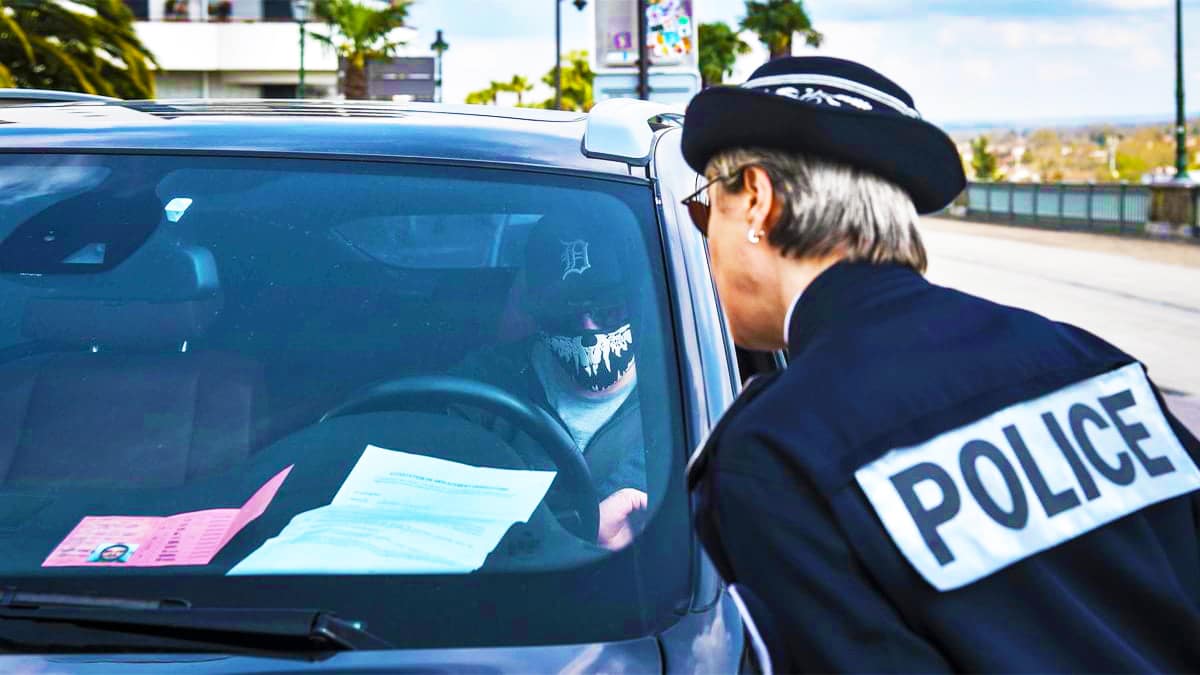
620 518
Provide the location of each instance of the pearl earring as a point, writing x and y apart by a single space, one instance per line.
753 236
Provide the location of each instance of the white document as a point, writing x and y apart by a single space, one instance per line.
400 513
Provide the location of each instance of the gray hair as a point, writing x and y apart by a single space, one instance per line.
829 207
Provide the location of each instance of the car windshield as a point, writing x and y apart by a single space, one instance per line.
389 390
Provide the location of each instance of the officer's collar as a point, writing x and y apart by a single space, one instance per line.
843 292
787 319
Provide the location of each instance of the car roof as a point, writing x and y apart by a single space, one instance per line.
468 133
9 96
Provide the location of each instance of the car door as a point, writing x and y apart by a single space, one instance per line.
719 369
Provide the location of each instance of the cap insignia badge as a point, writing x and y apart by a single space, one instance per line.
823 97
575 257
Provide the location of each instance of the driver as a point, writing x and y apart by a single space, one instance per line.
579 365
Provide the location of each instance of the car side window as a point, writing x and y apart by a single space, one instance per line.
751 363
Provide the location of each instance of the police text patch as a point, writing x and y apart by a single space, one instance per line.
981 497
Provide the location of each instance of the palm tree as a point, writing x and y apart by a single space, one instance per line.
719 49
489 95
577 78
481 97
493 90
520 86
775 21
360 33
82 45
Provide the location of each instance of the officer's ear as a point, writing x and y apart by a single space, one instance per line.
764 207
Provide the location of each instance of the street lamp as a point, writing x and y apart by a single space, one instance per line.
643 62
1181 172
300 9
439 46
579 5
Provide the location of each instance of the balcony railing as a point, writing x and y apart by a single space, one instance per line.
140 9
276 10
211 10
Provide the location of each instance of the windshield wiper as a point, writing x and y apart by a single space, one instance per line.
171 624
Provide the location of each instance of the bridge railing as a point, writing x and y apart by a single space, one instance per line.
1160 210
1118 206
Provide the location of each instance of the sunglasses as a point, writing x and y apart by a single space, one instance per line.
570 318
697 203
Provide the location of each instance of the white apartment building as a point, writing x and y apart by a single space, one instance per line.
233 49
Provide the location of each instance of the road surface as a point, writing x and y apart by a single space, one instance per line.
1142 296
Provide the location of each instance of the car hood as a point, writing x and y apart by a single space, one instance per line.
633 656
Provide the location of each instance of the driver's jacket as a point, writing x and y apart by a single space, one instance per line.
615 454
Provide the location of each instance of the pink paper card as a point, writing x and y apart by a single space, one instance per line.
191 538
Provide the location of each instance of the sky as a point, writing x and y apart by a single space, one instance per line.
963 61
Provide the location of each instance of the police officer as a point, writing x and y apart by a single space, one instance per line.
935 482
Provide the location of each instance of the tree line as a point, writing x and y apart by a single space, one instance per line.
577 80
91 46
775 22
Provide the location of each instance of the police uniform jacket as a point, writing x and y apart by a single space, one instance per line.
937 482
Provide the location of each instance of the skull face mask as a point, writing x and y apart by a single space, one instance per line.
594 359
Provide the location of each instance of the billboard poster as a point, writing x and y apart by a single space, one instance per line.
670 34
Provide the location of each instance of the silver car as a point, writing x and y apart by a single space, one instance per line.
236 434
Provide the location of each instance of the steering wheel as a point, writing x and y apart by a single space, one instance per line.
439 392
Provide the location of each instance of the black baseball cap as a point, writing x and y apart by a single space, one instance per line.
570 263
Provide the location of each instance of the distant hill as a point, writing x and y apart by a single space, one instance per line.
965 130
1134 148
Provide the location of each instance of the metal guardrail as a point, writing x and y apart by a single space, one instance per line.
1117 207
